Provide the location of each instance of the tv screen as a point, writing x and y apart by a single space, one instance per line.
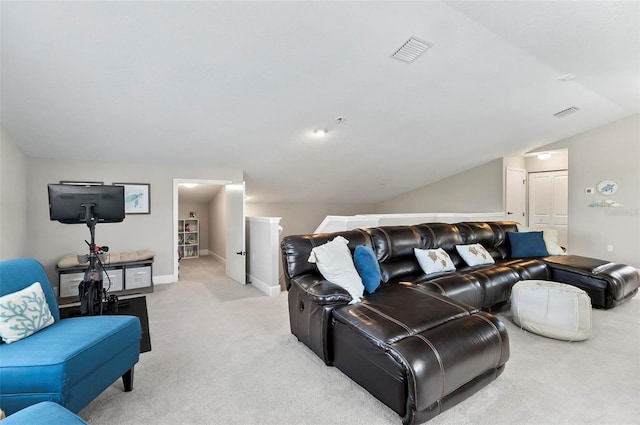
67 203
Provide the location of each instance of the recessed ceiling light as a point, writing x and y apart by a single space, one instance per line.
320 132
544 156
189 185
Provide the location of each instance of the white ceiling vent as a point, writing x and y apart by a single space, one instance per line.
411 49
566 112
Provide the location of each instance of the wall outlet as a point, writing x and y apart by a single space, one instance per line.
609 248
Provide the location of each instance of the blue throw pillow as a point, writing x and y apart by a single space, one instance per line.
527 244
367 267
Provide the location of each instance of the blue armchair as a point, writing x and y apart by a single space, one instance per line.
69 362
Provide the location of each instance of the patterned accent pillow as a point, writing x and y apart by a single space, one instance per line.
434 260
474 254
24 313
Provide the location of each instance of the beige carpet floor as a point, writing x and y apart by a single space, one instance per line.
222 353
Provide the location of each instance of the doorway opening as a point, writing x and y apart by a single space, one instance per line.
196 213
225 227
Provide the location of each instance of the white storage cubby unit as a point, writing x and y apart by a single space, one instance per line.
188 238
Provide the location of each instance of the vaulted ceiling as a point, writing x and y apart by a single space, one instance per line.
244 84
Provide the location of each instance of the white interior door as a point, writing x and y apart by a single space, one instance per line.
236 255
549 202
516 194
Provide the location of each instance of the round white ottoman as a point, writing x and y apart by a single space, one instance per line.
551 309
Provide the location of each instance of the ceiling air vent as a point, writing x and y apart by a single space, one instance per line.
411 49
566 112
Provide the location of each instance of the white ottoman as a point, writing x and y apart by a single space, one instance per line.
551 309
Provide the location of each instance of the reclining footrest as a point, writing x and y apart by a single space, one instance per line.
608 284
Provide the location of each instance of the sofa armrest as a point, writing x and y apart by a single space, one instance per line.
320 290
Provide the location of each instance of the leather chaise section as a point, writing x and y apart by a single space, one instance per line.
400 359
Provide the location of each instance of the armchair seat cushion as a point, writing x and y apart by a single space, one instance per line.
53 363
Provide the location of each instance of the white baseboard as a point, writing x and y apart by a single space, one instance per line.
163 280
219 258
264 287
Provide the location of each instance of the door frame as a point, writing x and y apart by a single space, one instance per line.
176 183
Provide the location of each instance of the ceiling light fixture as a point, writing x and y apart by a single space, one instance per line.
189 185
320 132
544 156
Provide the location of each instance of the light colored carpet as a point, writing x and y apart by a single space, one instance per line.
222 353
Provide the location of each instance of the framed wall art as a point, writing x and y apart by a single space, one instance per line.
137 198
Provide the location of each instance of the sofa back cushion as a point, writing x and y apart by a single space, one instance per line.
394 246
296 250
442 235
20 273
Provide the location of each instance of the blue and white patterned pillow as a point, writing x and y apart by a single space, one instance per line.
24 313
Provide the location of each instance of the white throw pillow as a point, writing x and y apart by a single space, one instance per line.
24 313
434 260
550 237
474 254
335 263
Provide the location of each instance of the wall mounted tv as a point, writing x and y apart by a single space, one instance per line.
69 203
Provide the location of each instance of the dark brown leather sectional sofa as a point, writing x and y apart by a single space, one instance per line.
423 343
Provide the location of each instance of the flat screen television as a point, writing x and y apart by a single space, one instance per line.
68 203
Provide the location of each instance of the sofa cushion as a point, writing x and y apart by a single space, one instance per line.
367 267
23 313
335 263
400 311
394 246
474 254
527 244
434 260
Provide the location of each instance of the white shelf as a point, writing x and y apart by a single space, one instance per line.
188 238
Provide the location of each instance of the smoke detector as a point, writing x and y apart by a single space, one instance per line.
411 50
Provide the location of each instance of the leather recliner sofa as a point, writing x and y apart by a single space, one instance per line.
423 343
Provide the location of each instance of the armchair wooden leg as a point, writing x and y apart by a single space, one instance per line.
127 380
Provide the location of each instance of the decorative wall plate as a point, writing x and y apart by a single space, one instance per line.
607 187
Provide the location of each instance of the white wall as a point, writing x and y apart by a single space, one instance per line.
218 225
608 152
49 241
263 253
298 219
13 199
472 191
